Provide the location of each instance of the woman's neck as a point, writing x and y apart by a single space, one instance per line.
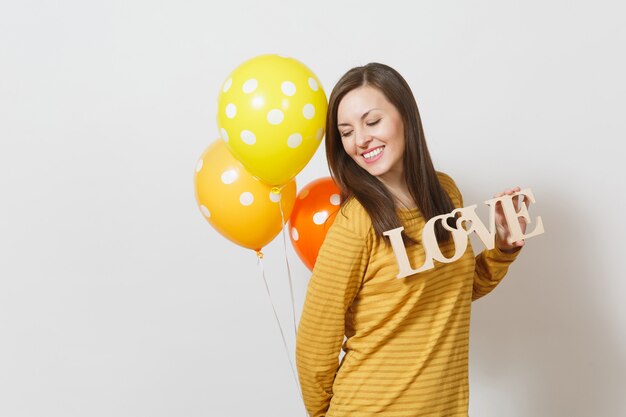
400 191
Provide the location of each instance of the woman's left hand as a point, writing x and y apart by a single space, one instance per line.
502 228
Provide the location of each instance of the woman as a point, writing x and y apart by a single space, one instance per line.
407 339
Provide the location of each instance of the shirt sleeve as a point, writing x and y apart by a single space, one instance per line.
491 264
336 279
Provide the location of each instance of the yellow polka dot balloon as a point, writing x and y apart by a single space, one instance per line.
240 207
272 114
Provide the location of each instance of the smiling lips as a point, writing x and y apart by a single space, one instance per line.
373 155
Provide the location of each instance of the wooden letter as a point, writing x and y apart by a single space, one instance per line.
512 215
404 266
460 234
488 237
429 239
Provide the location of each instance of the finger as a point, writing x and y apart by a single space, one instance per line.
510 191
499 210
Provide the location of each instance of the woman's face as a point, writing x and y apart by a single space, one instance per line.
372 132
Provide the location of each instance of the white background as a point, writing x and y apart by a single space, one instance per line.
118 299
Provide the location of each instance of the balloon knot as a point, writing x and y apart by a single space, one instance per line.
259 254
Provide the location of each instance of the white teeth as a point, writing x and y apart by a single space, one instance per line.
372 153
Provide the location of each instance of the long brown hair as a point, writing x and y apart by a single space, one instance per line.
419 173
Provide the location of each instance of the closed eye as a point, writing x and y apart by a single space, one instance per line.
373 123
345 134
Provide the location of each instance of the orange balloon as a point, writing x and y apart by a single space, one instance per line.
314 211
239 206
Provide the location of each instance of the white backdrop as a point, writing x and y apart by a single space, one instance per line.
118 299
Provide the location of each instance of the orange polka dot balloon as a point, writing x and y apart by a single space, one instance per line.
240 207
272 114
314 211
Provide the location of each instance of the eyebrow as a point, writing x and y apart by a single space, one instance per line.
362 117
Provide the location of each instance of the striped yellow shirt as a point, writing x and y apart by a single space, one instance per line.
406 347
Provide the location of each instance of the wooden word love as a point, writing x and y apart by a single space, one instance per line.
461 235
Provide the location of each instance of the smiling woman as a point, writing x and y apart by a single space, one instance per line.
407 339
376 148
372 136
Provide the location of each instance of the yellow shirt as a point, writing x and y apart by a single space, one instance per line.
406 352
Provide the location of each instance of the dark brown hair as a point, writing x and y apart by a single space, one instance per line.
419 173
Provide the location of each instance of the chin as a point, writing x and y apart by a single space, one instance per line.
376 172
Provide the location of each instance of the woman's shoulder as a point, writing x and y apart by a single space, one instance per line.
450 187
445 180
353 216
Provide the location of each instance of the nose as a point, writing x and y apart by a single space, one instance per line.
363 140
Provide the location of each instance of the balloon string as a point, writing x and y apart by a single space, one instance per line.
293 303
259 255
